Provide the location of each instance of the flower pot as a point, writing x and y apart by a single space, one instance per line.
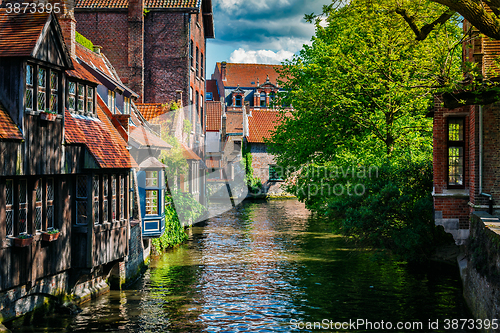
48 116
23 242
46 237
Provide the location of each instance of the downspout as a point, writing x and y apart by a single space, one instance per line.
490 198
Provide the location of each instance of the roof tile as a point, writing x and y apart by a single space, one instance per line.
19 32
262 124
234 122
150 111
8 129
248 75
145 138
174 4
214 112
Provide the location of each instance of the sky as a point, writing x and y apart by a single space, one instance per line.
259 31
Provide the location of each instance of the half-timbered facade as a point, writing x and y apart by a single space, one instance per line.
65 169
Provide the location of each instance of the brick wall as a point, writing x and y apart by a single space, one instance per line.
261 160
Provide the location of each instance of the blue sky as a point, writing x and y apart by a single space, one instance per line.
259 31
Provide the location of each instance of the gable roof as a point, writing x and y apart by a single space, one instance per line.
188 153
248 75
19 33
214 113
262 124
30 35
8 129
150 111
170 4
145 138
100 137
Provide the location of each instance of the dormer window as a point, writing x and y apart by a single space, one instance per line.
111 101
41 77
29 88
80 103
272 95
263 99
71 96
237 101
90 99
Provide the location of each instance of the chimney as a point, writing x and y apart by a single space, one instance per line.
136 47
223 66
223 124
66 18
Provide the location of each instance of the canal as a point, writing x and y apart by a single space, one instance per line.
270 267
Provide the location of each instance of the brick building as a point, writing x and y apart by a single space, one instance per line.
466 149
244 117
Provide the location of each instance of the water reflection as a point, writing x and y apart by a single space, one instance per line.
257 267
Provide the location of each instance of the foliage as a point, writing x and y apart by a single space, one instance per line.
80 39
187 126
253 183
24 236
188 209
360 95
53 231
174 233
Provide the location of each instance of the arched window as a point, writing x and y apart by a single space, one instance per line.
263 99
272 95
237 101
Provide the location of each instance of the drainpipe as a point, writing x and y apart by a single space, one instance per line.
489 196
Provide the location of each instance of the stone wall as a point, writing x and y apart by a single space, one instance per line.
480 267
261 160
138 254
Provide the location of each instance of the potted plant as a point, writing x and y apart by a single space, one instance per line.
23 240
48 115
50 235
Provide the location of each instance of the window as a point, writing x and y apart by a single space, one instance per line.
54 94
38 205
237 101
237 145
456 147
191 58
113 197
210 96
71 96
197 61
122 197
95 195
201 65
153 182
197 105
80 103
50 203
275 173
81 199
23 207
126 105
105 190
263 99
29 88
152 202
41 80
111 101
272 95
10 207
90 100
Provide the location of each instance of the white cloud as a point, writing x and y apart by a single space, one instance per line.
259 57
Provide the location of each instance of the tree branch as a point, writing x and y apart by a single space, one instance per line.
422 34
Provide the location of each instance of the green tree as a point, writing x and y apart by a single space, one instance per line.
360 94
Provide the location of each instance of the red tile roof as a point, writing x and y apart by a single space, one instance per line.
261 125
214 112
188 153
245 74
150 111
101 138
212 164
81 73
93 58
234 122
211 86
174 4
19 32
8 129
145 138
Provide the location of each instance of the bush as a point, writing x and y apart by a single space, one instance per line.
174 233
394 212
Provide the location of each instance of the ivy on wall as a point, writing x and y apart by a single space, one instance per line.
253 183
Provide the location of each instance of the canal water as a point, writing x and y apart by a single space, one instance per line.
272 267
